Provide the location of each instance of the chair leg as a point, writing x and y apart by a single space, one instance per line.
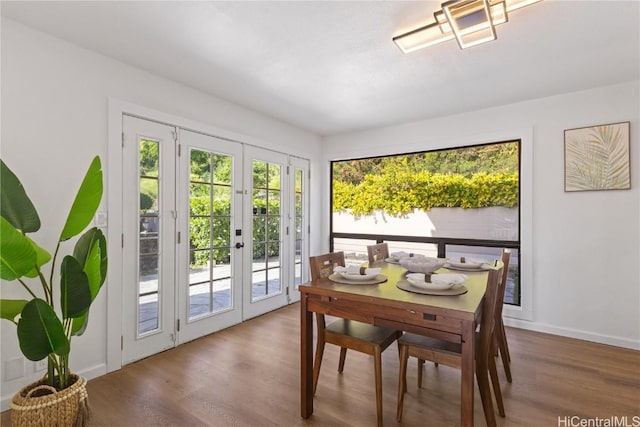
343 356
482 376
317 363
495 382
377 359
506 364
420 369
402 380
506 344
501 341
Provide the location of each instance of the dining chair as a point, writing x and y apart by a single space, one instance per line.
450 353
499 333
349 334
502 346
378 252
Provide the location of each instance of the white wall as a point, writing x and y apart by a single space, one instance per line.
585 246
54 120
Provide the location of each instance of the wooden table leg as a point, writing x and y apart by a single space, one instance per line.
306 358
467 371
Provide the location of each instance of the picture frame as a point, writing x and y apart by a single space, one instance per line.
597 158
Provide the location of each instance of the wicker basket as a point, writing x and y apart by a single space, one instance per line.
39 404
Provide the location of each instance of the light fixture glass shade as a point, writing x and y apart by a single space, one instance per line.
498 12
477 37
428 35
441 19
470 21
497 8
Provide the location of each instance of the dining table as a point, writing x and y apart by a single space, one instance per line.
448 317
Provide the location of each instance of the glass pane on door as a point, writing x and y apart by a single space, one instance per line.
210 194
298 228
267 226
149 237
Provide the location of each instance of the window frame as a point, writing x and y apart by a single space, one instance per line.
525 136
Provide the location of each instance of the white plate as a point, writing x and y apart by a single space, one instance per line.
483 267
469 264
357 277
430 286
441 282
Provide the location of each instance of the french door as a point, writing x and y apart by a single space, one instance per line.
209 263
266 226
278 221
149 240
214 232
299 224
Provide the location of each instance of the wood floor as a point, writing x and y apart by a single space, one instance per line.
248 375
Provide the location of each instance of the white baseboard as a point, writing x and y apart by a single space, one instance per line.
89 373
573 333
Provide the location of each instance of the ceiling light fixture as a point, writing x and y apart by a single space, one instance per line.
470 22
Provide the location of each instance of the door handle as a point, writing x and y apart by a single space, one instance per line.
239 245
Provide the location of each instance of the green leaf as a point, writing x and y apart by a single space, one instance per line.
10 308
104 258
79 324
75 294
95 266
17 255
86 203
91 253
40 332
15 205
42 257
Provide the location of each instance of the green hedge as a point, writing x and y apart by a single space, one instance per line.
399 193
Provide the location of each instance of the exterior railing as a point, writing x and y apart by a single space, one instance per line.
441 243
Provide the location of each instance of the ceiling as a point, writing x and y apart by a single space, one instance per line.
330 66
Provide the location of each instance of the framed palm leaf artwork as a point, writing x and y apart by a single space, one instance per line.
597 158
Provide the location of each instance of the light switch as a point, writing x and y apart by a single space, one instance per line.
100 219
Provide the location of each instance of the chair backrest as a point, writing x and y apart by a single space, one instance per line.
488 320
506 257
322 265
378 252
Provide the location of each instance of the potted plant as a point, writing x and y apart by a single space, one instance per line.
50 316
